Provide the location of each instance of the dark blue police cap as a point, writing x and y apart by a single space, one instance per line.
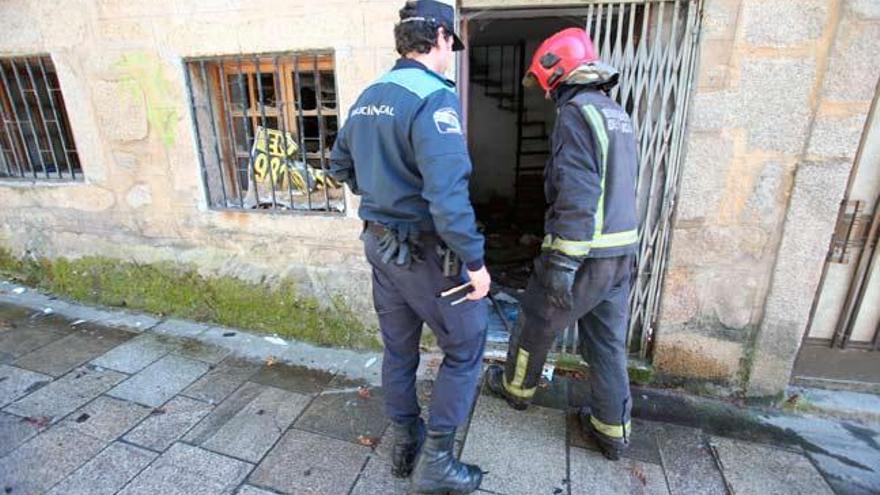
438 12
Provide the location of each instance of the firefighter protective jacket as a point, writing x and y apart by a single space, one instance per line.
590 179
403 150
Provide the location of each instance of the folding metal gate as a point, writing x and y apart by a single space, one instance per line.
653 45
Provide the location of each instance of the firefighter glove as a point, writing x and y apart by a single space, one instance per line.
558 278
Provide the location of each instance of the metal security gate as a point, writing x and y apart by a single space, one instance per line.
653 45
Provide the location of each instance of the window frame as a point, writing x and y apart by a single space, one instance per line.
47 123
218 74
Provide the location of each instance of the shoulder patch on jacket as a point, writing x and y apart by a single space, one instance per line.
447 122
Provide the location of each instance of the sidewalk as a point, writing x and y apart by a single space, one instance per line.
134 405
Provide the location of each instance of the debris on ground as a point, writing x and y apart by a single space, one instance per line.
639 474
275 340
371 362
366 441
19 290
229 334
271 360
158 410
77 322
39 422
82 418
6 325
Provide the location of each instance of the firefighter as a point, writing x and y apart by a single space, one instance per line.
402 149
588 254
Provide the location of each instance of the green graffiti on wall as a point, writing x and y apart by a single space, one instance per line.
144 76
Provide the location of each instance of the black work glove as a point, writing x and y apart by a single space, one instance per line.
557 278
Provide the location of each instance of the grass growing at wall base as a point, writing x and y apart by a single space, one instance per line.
170 290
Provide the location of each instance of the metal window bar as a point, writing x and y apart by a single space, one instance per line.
282 119
319 102
301 120
34 128
227 103
655 54
269 96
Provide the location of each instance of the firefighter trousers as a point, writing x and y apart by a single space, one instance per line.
601 308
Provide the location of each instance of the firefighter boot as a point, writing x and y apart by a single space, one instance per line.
437 470
495 383
408 439
611 447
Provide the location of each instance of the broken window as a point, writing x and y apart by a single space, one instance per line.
35 137
265 126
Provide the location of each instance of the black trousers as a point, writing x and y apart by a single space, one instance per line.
405 298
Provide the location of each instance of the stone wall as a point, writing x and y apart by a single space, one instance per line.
121 72
782 92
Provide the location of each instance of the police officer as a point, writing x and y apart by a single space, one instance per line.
583 272
402 149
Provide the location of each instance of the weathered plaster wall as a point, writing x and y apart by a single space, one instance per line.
120 69
782 91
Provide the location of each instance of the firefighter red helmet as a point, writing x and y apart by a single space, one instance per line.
560 54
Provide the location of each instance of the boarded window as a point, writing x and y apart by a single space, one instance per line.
265 126
35 137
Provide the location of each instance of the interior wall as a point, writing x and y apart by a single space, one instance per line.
491 130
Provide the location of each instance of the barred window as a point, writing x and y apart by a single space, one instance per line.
265 125
35 137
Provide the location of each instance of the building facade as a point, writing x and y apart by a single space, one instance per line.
196 133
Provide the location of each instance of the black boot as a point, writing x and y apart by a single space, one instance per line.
612 448
408 440
439 472
495 383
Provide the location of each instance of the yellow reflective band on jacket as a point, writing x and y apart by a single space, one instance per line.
613 431
616 239
594 119
582 248
571 248
515 387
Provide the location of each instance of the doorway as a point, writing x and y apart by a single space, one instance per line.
842 345
652 44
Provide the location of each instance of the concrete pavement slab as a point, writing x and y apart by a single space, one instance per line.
187 470
252 490
30 334
134 355
222 380
14 430
643 439
256 427
223 412
107 472
751 468
377 478
304 462
592 473
180 328
524 452
201 351
16 382
688 461
66 394
64 354
45 460
160 381
168 423
293 378
107 418
346 415
129 321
